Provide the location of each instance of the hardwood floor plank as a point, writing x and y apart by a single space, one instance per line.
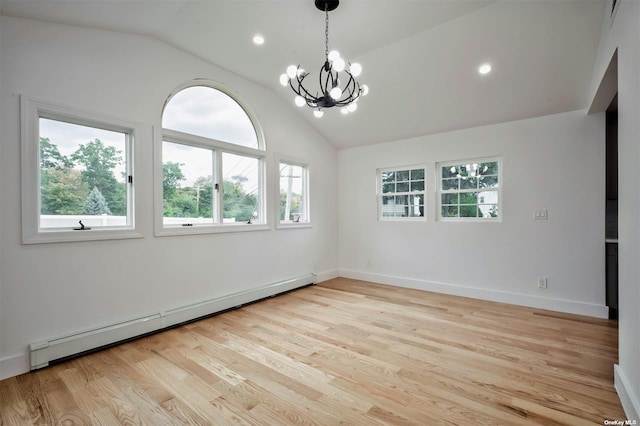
342 352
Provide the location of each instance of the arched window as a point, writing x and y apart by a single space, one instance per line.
212 163
210 113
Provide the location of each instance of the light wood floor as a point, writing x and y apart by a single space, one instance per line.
342 352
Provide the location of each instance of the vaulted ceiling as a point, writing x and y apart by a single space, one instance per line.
419 57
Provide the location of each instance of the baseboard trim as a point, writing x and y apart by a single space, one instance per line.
43 352
14 365
559 305
326 275
630 402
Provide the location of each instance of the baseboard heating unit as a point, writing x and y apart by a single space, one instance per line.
45 352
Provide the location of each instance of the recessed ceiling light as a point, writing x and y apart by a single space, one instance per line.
258 39
484 69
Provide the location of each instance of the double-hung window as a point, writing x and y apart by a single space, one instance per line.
77 174
470 190
401 193
210 164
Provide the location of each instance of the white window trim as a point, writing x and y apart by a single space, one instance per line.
306 186
174 136
439 191
31 111
379 194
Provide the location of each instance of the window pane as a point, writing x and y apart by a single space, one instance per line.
402 187
83 175
488 181
449 198
469 198
187 184
417 186
389 187
417 211
241 179
449 172
469 183
388 200
449 184
488 168
416 204
488 210
417 174
402 200
449 211
402 175
211 113
468 211
292 202
388 176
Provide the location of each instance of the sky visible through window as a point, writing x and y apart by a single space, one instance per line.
68 137
210 113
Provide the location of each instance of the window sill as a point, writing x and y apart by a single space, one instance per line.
210 229
471 219
58 236
293 225
403 219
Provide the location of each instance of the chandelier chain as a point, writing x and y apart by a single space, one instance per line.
326 32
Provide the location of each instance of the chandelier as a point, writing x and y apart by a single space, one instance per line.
331 93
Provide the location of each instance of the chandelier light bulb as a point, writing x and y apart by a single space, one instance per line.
339 64
333 55
284 80
344 110
365 89
318 113
335 93
299 100
292 71
352 107
356 69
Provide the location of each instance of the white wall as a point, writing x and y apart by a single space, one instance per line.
623 34
554 162
49 290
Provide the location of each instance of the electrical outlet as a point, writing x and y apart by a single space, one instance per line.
542 282
540 214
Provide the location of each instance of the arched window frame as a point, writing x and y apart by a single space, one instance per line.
218 149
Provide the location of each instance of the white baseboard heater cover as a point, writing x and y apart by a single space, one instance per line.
44 352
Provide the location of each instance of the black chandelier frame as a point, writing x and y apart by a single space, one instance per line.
328 77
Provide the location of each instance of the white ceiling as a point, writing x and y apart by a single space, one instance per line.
419 57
